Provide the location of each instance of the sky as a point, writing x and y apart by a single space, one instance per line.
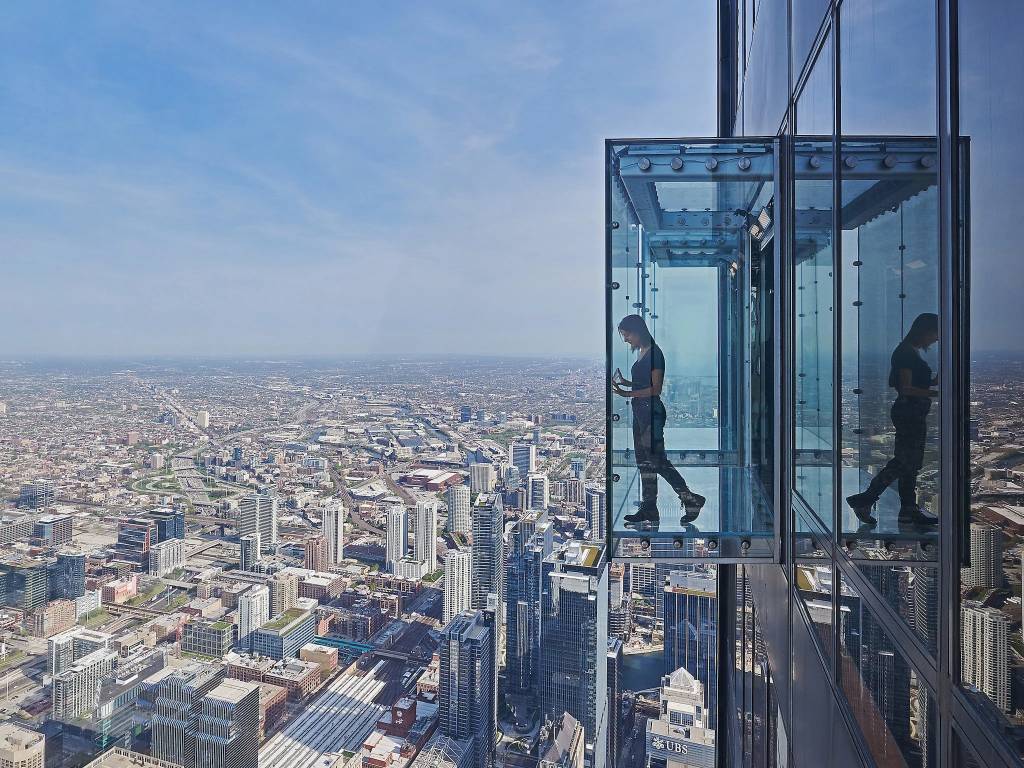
316 178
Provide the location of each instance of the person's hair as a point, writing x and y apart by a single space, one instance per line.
635 325
924 325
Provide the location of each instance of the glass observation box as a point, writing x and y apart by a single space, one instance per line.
748 375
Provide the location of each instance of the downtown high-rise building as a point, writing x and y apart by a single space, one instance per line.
574 643
74 693
334 532
986 568
523 456
253 613
530 548
458 583
315 553
397 536
985 652
467 684
257 516
248 552
596 510
482 478
69 573
458 500
690 609
228 726
284 592
487 548
538 492
425 533
177 704
578 468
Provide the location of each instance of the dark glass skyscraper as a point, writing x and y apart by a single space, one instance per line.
467 690
835 232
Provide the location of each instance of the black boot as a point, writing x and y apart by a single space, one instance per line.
911 514
646 514
692 504
861 504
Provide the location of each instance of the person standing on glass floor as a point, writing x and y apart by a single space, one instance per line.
912 379
647 377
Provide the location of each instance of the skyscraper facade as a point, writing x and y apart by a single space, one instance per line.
467 684
523 456
574 643
985 657
315 553
253 613
691 631
854 142
227 728
458 499
986 568
397 534
538 492
481 478
596 512
531 547
177 704
487 548
334 532
257 516
425 543
458 583
248 552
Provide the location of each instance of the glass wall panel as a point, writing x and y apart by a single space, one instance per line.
895 710
913 592
813 294
991 124
625 298
889 343
813 584
807 18
887 70
766 88
693 317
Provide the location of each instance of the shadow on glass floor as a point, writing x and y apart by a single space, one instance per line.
735 521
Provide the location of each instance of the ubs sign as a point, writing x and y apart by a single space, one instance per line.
680 751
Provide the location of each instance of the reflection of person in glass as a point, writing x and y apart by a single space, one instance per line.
912 379
644 388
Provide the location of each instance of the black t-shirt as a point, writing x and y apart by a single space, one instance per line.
640 374
905 356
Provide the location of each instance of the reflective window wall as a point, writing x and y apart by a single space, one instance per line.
900 586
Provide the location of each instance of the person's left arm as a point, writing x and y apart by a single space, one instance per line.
657 379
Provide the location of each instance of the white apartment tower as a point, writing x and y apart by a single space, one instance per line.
397 536
253 613
458 583
334 532
425 546
458 509
481 478
985 651
257 516
539 492
986 569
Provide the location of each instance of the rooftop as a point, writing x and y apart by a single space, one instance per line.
286 619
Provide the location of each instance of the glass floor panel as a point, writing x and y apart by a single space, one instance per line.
734 522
